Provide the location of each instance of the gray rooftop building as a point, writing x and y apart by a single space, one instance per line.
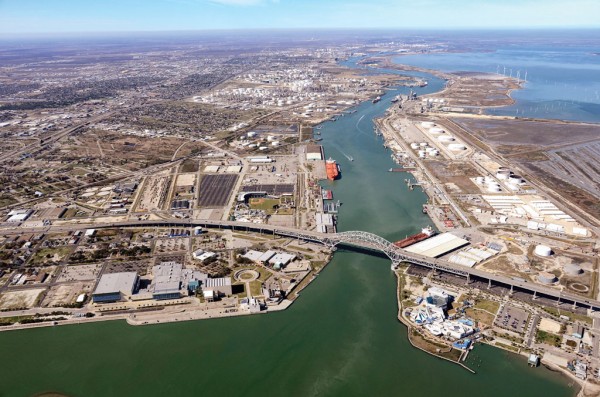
114 287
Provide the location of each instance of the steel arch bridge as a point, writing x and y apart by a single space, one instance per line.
373 242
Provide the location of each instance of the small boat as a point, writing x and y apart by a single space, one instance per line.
376 99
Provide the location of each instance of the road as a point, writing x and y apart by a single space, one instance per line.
359 239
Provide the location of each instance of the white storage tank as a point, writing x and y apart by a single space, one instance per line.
516 180
270 138
445 138
414 145
456 147
542 250
573 270
427 124
546 278
263 148
480 180
251 134
275 143
434 152
436 131
423 144
422 154
252 145
503 174
494 189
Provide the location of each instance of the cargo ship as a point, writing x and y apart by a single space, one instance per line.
332 169
327 194
415 238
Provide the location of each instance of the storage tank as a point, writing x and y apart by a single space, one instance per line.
251 134
445 138
252 145
263 148
275 143
542 250
516 180
573 270
457 147
423 144
270 138
427 124
480 180
414 145
422 154
436 131
546 278
503 174
494 189
434 152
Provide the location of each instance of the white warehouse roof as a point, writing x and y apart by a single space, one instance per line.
438 245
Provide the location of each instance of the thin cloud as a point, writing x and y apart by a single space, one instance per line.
239 2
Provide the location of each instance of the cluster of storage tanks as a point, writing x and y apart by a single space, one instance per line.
252 134
513 180
490 183
443 137
424 150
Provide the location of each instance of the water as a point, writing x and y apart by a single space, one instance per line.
341 338
563 82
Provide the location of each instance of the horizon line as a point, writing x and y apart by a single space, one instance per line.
321 29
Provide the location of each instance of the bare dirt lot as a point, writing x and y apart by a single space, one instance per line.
19 299
62 295
524 132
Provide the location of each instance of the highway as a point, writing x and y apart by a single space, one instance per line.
359 239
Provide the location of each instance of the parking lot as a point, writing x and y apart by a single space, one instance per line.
512 319
79 272
215 190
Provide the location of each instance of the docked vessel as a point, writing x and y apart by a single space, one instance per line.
327 194
332 169
377 99
415 238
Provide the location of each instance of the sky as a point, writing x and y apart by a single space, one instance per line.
59 16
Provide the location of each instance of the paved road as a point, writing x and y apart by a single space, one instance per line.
357 239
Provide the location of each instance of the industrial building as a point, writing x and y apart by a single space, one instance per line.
437 246
114 287
172 281
314 153
218 286
16 216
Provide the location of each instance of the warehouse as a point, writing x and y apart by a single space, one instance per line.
437 246
314 152
114 287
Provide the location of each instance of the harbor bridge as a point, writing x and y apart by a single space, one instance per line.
363 240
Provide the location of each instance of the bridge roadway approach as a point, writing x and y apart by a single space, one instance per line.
365 240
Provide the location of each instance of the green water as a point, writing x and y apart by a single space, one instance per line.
340 338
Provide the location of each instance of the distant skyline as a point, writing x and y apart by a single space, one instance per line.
63 16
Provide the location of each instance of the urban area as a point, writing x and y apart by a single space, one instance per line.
189 183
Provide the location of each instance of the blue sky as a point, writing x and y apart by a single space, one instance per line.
39 16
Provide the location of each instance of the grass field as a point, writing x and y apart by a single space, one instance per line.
265 204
